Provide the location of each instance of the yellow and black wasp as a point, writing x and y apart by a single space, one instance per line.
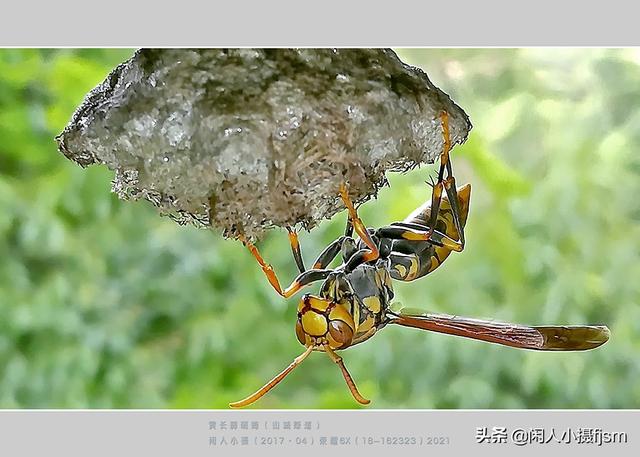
354 300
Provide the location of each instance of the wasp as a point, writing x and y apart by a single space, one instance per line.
354 300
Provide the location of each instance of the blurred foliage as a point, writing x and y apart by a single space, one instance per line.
106 304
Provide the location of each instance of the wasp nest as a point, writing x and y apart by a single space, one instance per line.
247 139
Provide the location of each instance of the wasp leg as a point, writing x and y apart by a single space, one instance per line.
448 184
348 230
347 376
349 248
357 259
452 194
359 226
328 254
302 280
426 234
354 258
295 249
436 195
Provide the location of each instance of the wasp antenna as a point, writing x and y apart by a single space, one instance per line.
347 377
274 382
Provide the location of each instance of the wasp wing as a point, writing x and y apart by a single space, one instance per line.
543 338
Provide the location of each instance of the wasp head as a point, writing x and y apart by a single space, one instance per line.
323 325
323 322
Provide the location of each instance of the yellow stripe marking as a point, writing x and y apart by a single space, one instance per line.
387 279
366 325
373 303
413 269
401 269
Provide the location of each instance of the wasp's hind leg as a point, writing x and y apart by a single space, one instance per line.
447 184
436 194
416 233
456 211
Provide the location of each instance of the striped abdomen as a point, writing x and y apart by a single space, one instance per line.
413 259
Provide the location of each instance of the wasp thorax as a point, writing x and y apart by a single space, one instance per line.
322 321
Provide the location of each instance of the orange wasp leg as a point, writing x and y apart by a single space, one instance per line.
347 377
359 226
294 287
448 185
303 279
436 237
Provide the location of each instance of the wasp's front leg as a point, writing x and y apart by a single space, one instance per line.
303 279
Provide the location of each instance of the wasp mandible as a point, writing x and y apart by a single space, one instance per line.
354 300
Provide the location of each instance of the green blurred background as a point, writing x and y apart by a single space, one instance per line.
104 304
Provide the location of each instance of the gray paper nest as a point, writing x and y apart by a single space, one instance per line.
266 136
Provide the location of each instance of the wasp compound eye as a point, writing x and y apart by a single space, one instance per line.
341 333
300 332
